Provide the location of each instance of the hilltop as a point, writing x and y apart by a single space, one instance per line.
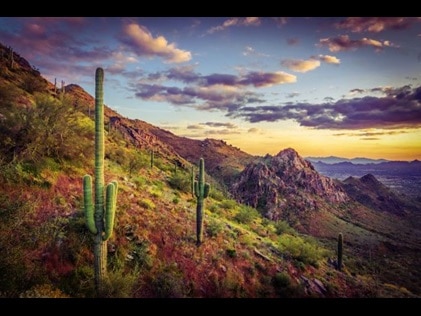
249 250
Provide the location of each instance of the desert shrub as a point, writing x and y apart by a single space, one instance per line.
169 283
246 214
282 227
216 195
43 291
228 204
119 284
180 181
146 203
214 227
300 249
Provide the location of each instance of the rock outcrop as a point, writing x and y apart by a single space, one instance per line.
285 183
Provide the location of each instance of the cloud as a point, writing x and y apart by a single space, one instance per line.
141 41
305 65
195 127
219 124
329 59
187 75
401 108
249 21
375 24
344 43
222 92
222 132
266 79
292 95
280 21
254 130
300 65
250 51
120 60
371 134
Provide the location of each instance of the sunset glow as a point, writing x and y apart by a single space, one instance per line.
348 87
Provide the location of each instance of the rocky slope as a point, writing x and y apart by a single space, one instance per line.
370 192
285 186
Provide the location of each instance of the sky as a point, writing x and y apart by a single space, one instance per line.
342 86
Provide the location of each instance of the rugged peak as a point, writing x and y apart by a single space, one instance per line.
288 152
277 185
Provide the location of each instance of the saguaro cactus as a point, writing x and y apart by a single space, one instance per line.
340 247
201 191
192 181
100 221
152 158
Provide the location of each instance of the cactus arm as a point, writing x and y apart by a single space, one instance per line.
206 190
196 189
110 206
115 193
88 205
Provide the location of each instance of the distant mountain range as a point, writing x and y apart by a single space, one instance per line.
356 161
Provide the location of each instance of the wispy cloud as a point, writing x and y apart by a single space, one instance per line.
219 124
195 127
394 111
249 21
141 41
280 21
344 43
375 24
250 51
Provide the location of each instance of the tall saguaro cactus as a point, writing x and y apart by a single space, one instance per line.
99 219
201 191
340 247
152 158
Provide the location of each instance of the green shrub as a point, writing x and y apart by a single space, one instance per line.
228 204
214 227
282 227
146 203
180 181
300 249
246 215
216 195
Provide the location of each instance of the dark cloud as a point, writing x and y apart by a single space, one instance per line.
357 90
253 78
375 24
393 111
194 127
344 43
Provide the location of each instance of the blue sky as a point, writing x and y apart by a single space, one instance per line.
325 86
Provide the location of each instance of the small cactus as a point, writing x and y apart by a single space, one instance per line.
201 191
340 247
